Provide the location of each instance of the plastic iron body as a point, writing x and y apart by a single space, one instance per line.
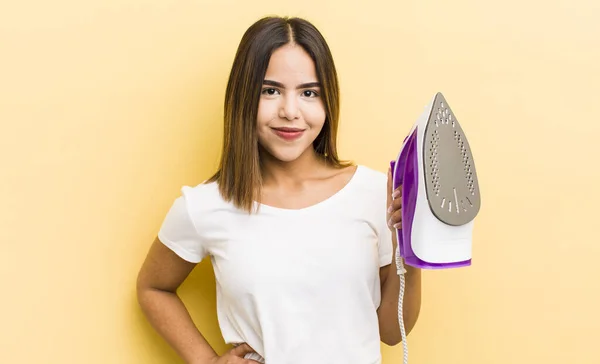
440 191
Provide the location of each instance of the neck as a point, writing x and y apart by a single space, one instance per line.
304 167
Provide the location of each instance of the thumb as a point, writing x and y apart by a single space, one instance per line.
242 350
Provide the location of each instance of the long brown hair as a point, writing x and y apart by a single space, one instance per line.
239 172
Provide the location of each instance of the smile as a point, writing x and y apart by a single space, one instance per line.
288 133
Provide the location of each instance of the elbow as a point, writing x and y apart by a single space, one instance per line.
393 338
144 290
141 290
391 341
141 284
148 290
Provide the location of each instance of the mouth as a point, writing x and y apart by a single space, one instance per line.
288 133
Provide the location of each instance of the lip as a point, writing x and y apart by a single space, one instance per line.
287 133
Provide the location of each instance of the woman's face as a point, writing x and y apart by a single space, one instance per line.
291 112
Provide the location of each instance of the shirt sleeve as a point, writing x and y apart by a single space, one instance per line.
179 233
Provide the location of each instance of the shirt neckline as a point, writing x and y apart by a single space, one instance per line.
329 200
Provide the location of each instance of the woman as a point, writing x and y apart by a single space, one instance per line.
301 243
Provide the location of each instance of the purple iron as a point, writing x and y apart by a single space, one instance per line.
440 195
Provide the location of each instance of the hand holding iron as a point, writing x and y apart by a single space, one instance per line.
394 205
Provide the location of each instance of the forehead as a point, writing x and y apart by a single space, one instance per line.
291 63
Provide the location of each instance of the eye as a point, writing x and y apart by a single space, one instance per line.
310 93
270 91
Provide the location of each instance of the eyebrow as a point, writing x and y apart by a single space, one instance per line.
280 85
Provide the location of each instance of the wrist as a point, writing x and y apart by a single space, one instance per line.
205 360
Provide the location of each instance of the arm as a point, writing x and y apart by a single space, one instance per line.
389 328
387 313
158 280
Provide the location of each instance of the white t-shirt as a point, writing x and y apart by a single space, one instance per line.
299 286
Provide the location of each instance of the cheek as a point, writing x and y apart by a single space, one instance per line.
315 116
267 111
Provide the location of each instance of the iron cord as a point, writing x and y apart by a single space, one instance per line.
401 272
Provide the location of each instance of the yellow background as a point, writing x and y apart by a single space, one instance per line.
108 107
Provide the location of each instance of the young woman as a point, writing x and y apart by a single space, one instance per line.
301 242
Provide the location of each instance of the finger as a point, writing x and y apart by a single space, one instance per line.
398 192
396 219
396 204
241 350
251 361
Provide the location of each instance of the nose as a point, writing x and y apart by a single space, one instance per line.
289 108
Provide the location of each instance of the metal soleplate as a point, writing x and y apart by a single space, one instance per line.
450 176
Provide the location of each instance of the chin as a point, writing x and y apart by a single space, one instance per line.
287 155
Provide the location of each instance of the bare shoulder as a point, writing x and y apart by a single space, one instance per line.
339 177
346 172
370 179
